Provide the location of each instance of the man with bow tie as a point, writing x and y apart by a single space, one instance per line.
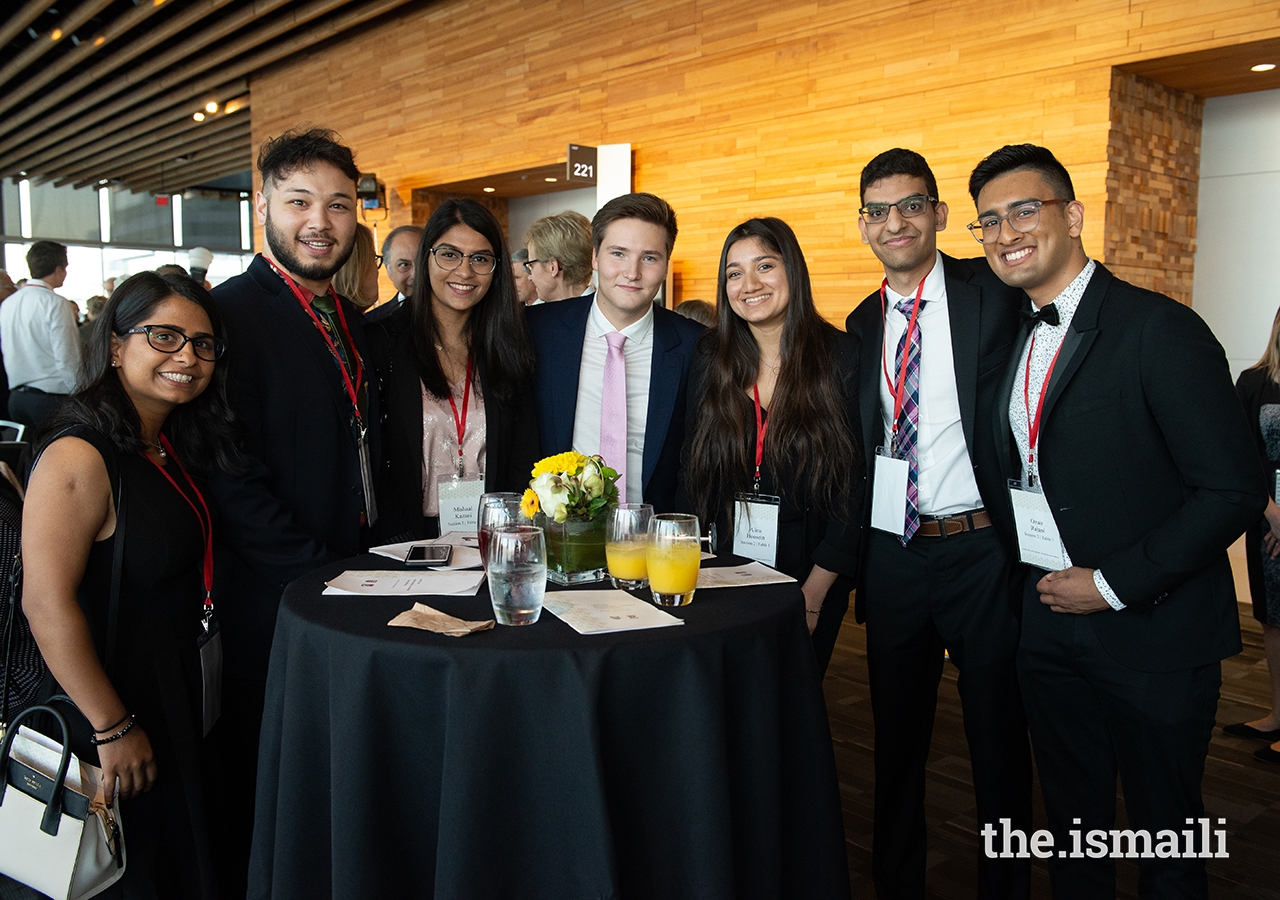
1131 470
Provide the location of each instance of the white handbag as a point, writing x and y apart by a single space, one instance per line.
56 835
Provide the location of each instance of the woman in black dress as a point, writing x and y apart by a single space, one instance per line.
1259 390
455 367
149 416
772 411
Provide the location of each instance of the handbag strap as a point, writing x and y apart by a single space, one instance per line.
15 590
117 571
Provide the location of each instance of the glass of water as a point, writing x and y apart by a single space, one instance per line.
517 560
496 508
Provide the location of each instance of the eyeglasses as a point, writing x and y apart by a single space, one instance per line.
449 258
168 340
528 264
377 260
908 208
1022 218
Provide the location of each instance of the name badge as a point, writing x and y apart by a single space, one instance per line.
210 644
755 527
1039 543
366 478
1276 493
889 493
459 502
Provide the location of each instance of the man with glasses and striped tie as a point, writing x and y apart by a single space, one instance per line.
935 569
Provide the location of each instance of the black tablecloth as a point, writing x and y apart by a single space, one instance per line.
693 761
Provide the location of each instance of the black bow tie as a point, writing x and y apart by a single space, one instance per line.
1048 315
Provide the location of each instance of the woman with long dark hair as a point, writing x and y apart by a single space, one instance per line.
455 366
772 407
128 448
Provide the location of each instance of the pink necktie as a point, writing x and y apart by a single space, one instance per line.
613 411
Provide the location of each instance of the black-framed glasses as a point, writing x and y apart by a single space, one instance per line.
449 258
908 208
528 265
377 260
169 340
1022 218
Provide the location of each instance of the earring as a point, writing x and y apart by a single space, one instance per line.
114 364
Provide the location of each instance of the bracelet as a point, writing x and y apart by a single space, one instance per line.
115 724
97 742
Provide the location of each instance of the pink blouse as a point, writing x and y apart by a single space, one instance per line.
440 441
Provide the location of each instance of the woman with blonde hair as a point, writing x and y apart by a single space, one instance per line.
1259 390
357 280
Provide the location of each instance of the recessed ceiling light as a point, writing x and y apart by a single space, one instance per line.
199 116
56 34
489 190
550 180
1262 67
211 106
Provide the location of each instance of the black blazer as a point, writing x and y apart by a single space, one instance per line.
558 330
1255 388
806 536
511 433
300 504
1150 470
983 312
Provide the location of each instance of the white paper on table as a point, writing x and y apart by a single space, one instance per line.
740 576
465 556
600 612
405 584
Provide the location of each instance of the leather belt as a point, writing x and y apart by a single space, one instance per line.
945 526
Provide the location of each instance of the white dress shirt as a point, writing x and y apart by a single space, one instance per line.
946 482
638 353
39 339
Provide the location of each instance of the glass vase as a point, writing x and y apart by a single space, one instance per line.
575 548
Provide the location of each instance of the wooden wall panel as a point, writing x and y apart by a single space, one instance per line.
735 110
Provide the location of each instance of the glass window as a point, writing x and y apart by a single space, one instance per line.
136 219
211 222
10 218
64 213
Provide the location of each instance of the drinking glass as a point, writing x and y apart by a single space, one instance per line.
517 560
626 545
673 558
496 508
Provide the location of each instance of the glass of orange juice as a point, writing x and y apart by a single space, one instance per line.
674 554
626 545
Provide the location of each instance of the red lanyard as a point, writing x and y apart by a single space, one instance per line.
461 423
761 427
1033 424
898 392
206 521
342 317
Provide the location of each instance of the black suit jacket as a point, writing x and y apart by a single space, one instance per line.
300 505
983 313
1150 469
558 330
511 433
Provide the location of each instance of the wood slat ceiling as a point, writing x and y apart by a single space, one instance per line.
105 91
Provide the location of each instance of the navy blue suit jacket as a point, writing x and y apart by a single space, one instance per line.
558 330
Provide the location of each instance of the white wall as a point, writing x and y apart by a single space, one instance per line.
524 211
1237 260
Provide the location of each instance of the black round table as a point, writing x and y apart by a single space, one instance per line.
533 762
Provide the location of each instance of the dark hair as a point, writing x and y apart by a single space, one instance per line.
44 257
896 162
500 342
1015 158
202 431
280 157
171 269
645 207
809 432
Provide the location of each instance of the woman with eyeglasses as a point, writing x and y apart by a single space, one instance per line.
455 366
771 454
116 495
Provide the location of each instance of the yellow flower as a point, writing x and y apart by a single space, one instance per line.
529 503
562 463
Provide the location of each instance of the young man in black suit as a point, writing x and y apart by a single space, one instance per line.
935 571
299 385
575 341
1131 472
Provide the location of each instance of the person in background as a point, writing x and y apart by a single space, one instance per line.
39 339
559 263
454 366
92 309
357 280
172 269
772 410
700 311
200 259
398 253
151 417
526 293
7 289
1259 390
